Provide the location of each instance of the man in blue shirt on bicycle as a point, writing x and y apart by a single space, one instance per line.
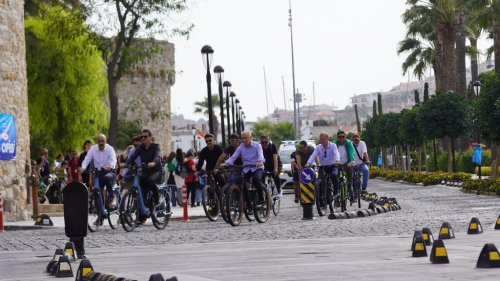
251 153
329 159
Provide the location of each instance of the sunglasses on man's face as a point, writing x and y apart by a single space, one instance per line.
264 142
208 141
145 137
341 137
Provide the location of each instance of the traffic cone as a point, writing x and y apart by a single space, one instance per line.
416 234
83 270
489 257
419 249
438 253
427 236
497 225
185 217
64 267
475 227
55 259
446 232
70 251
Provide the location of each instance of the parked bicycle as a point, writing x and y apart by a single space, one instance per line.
98 210
245 198
273 191
134 207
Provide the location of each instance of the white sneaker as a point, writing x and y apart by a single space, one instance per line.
280 194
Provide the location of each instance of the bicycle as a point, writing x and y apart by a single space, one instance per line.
356 185
134 207
273 191
230 176
324 192
243 197
343 186
210 196
98 211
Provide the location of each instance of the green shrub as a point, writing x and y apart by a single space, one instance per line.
464 160
485 170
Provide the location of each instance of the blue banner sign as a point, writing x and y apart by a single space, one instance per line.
7 137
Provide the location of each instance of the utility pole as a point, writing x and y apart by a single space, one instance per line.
295 123
284 93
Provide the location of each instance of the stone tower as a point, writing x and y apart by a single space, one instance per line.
14 101
144 94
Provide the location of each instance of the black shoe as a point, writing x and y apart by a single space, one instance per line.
197 204
296 200
364 192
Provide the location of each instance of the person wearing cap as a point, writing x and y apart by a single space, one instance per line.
362 160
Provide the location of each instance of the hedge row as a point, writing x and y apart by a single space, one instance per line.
482 186
416 177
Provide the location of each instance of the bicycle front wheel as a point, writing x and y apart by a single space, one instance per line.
129 211
234 204
161 214
114 213
262 206
94 217
276 205
343 196
210 202
320 197
222 201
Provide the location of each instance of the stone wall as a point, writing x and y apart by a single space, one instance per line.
14 100
144 94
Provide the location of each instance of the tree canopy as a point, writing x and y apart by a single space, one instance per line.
65 80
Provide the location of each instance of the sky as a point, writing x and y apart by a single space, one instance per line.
343 47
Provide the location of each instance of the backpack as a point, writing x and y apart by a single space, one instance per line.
182 170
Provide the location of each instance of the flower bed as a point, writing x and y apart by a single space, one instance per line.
416 177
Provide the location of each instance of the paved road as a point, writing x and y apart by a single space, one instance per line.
256 251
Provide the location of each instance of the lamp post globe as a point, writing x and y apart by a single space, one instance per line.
227 85
207 54
219 73
476 86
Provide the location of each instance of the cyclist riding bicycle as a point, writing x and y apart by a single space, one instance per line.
271 163
234 140
329 159
209 156
151 156
362 160
104 159
346 151
251 154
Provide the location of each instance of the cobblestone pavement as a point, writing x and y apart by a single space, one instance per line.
421 207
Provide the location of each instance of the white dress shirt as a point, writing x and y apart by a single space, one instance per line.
105 158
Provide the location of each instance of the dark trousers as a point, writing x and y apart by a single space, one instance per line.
256 178
148 183
191 191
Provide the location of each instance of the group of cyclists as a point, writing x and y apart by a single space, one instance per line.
258 161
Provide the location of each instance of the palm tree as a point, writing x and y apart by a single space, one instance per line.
488 17
202 107
435 23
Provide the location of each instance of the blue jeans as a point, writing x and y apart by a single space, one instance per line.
108 181
364 170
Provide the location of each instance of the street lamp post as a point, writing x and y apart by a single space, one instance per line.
207 54
237 105
232 95
219 73
477 89
239 118
242 121
194 138
227 85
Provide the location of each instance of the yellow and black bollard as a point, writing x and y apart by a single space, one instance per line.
306 178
